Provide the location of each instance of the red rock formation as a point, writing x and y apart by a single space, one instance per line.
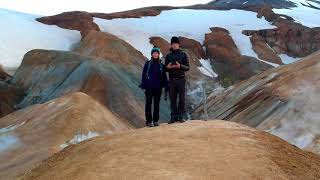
194 150
107 46
264 51
194 46
227 60
75 20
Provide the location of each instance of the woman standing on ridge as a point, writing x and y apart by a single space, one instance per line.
154 79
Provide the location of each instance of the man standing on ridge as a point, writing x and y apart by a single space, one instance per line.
177 64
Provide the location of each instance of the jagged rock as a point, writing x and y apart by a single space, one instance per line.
194 150
33 134
227 60
9 96
283 101
264 51
75 20
193 45
290 38
4 76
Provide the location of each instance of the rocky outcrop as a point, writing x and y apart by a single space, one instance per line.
264 51
33 134
227 60
283 101
193 46
290 38
75 20
4 76
214 149
10 95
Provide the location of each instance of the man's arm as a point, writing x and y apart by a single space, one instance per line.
168 65
185 63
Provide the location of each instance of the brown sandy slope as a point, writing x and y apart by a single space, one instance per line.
31 135
194 150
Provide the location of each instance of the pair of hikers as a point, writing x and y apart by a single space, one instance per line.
154 80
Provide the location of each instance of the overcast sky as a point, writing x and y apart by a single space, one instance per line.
50 7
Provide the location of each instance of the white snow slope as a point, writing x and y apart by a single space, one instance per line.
304 15
21 32
188 23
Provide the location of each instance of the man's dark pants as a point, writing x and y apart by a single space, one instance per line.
155 96
177 89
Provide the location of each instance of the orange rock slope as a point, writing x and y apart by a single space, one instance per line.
194 150
31 135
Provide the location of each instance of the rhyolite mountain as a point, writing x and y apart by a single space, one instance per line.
82 81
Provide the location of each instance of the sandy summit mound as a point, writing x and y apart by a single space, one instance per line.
194 150
33 134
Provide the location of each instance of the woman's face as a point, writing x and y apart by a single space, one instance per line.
155 55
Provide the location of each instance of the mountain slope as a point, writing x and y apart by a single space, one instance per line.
283 101
194 150
239 4
31 135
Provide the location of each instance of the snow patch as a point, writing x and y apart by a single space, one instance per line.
79 138
305 15
21 33
206 68
8 141
192 24
287 59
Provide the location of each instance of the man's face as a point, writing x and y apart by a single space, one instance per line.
175 46
155 55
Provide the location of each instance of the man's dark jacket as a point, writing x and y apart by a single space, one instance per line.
177 56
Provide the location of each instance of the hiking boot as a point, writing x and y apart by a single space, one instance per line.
155 124
149 124
181 120
172 121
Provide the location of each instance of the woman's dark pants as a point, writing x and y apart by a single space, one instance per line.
155 96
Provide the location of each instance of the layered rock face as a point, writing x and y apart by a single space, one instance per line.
31 135
10 95
215 149
283 101
55 73
75 20
290 38
231 66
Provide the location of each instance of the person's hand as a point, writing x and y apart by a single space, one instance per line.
178 65
170 66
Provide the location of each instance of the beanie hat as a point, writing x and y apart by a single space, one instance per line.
155 49
175 39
